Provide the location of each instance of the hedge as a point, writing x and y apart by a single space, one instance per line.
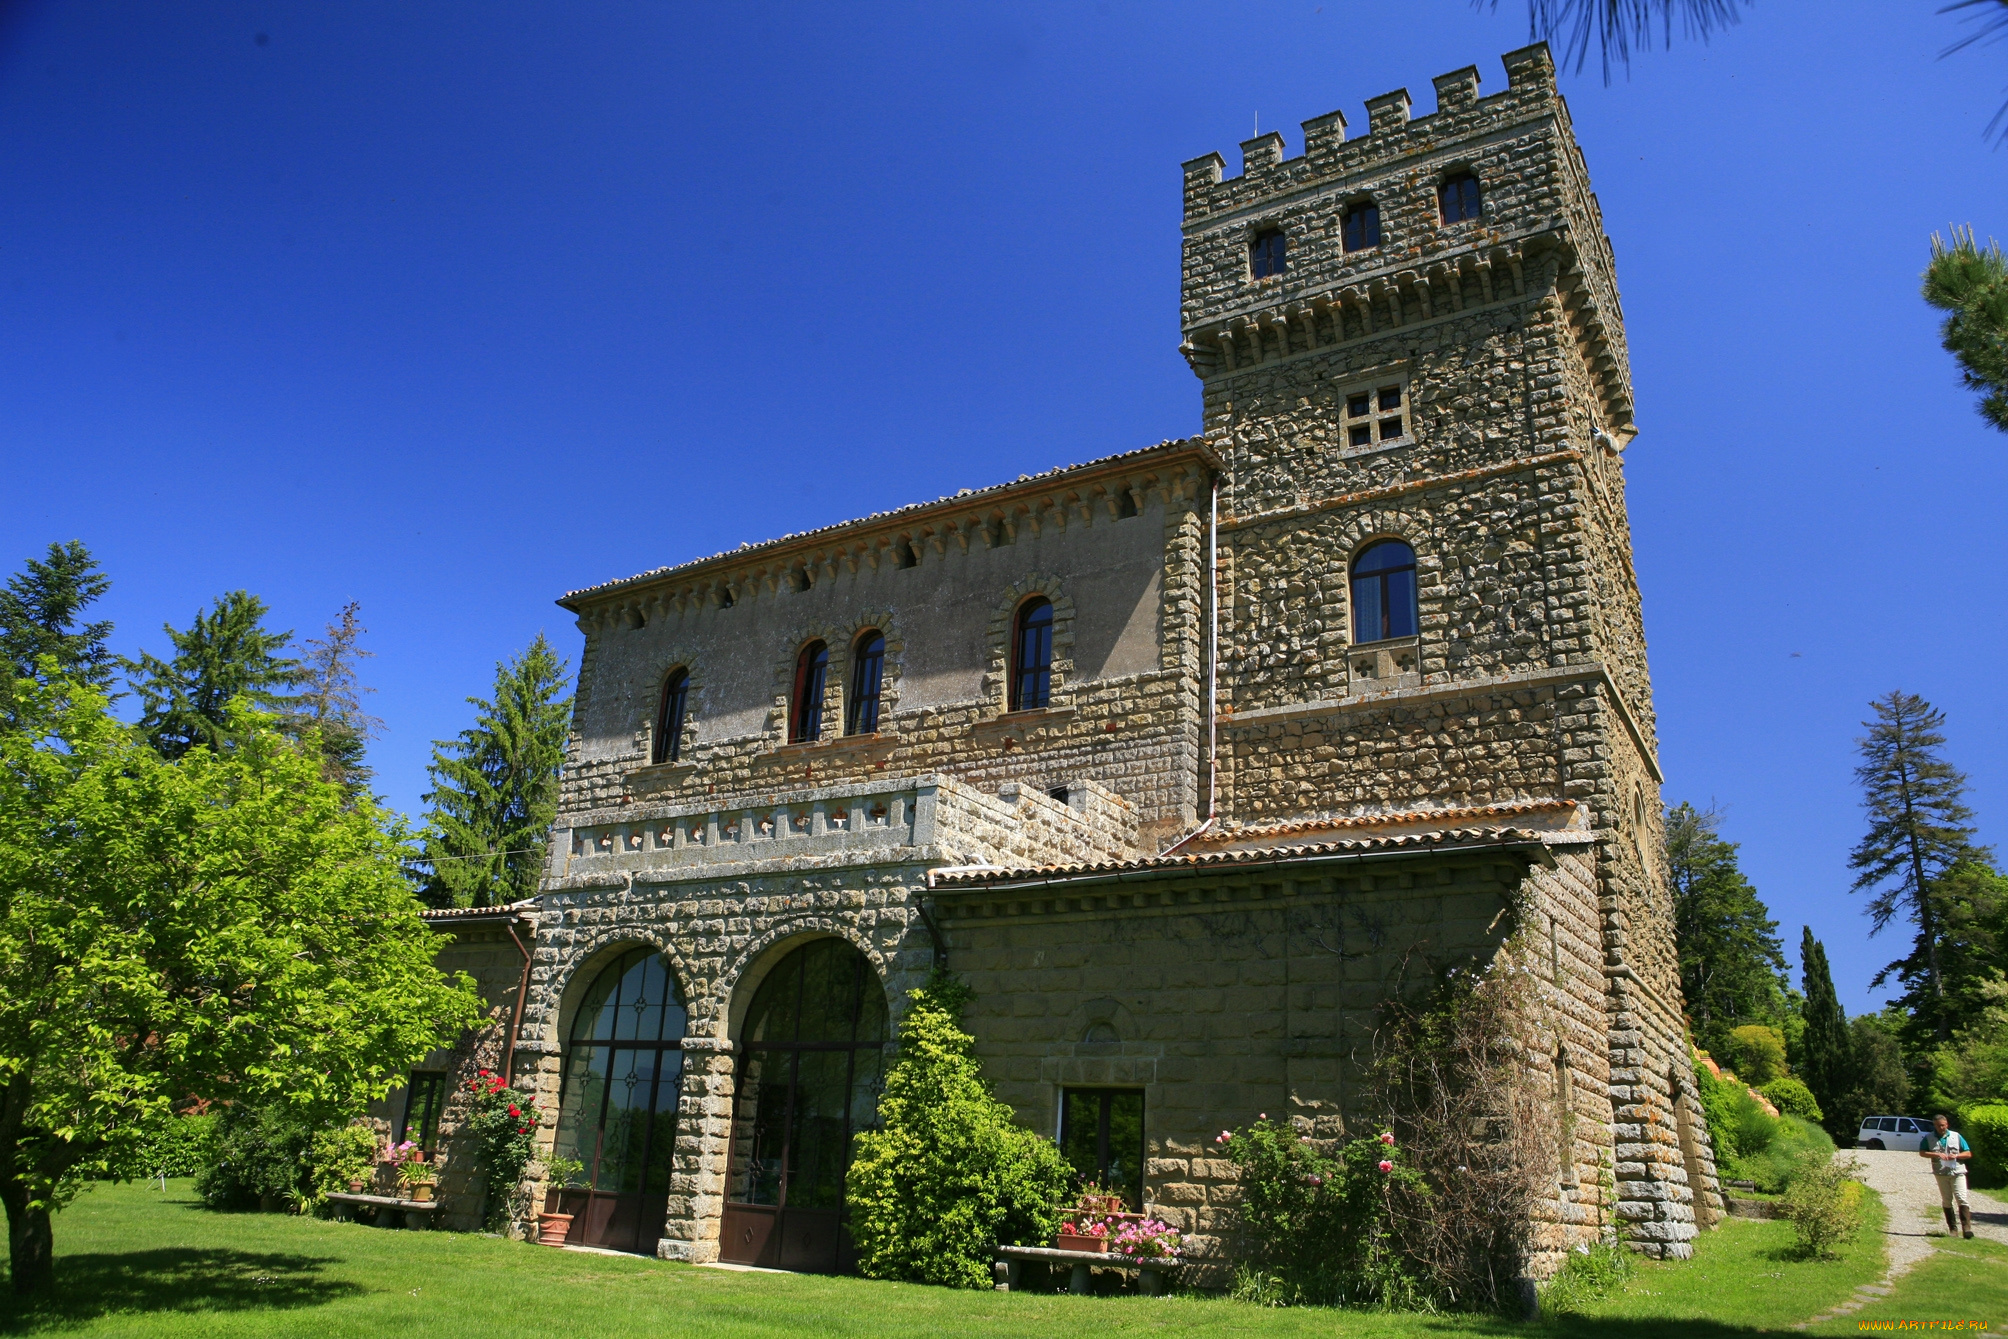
1985 1126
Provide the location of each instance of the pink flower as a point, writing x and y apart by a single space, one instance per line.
1386 1166
1387 1139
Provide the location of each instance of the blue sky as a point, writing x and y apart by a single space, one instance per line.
451 308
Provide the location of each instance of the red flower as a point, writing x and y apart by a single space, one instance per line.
514 1112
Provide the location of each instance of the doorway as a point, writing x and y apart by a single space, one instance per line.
617 1108
811 1062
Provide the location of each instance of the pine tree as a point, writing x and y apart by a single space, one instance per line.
39 610
1971 282
495 788
1825 1059
225 653
1919 828
331 701
1731 963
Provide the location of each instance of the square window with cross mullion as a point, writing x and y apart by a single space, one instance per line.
1376 414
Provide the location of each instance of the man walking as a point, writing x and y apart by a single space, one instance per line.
1949 1154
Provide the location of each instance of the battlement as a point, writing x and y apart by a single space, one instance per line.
1392 134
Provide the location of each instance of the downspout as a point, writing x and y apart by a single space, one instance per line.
933 931
1212 668
516 1015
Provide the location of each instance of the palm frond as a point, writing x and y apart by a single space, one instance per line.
1989 23
1617 28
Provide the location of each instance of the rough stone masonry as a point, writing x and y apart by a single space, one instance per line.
1261 788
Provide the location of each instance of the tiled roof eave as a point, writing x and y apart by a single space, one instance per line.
1517 841
1195 446
513 911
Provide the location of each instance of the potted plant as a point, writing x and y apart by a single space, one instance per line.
415 1176
559 1173
1085 1227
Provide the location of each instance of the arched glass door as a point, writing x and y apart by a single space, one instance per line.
617 1109
811 1061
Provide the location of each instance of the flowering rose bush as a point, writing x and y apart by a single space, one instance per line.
1318 1227
502 1130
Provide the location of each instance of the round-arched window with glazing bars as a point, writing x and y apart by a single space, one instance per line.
623 1073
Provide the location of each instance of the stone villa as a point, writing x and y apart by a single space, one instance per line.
1179 758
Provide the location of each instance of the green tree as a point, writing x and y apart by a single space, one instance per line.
949 1174
495 788
225 926
1879 1079
1731 964
1919 829
39 613
330 701
226 653
1825 1058
1970 283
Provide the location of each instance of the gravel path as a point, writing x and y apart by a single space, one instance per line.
1910 1193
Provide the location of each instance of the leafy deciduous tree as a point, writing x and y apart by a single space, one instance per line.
226 653
1919 828
495 788
227 926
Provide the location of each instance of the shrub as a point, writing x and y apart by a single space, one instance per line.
1590 1272
1318 1228
171 1146
500 1132
1736 1124
1757 1052
340 1155
257 1152
1985 1126
1825 1203
1774 1164
1792 1098
948 1175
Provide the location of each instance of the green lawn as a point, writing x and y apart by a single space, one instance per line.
132 1261
1962 1281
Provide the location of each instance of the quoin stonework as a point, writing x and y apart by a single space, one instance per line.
1183 759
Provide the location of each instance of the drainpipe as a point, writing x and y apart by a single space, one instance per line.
516 1015
933 930
1212 668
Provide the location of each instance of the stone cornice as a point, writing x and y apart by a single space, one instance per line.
1173 472
1382 493
1591 671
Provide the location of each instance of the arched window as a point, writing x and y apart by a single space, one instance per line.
861 717
806 722
811 1060
1268 254
1361 231
617 1109
669 716
1384 592
1032 655
1458 197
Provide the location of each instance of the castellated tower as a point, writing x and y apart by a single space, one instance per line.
1415 336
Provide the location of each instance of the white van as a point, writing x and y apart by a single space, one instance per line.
1904 1132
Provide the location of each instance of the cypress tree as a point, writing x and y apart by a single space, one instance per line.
39 612
1731 963
1826 1055
495 788
1919 828
225 653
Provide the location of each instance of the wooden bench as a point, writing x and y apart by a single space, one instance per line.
1150 1269
417 1213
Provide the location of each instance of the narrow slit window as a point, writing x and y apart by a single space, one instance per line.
867 679
1032 656
1361 231
669 717
810 671
1268 254
1384 592
424 1095
1459 198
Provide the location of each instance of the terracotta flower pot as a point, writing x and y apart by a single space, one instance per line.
552 1228
1067 1241
421 1192
356 1186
